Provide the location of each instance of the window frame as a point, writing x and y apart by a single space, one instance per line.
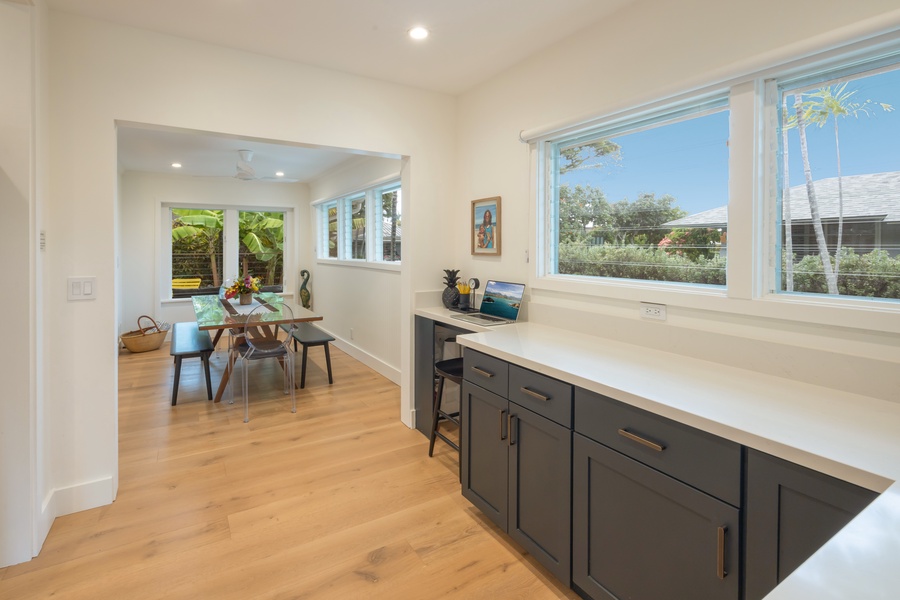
372 195
749 207
841 67
670 114
230 246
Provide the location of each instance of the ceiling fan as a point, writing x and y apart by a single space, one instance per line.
245 172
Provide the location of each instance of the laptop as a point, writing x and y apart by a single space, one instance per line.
499 305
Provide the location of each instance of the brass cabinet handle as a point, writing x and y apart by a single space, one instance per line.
511 429
720 554
482 372
534 394
502 436
636 438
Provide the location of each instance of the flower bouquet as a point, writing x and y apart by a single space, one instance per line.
244 288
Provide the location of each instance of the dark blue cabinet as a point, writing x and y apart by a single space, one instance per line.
656 506
791 512
516 463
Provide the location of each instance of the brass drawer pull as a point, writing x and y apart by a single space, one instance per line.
482 372
640 440
720 554
502 435
534 394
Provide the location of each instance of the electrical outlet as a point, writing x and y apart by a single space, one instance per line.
351 333
656 312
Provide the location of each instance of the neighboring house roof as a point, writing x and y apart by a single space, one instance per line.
875 196
386 229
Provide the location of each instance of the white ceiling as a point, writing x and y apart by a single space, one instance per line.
202 154
471 41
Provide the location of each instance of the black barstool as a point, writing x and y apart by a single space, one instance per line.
451 369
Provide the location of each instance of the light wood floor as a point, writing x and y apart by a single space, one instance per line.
337 501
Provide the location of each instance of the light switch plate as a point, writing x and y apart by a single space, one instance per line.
81 288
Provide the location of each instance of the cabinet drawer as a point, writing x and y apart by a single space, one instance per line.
490 373
702 460
544 395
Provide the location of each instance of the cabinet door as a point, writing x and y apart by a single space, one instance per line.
540 478
484 451
641 535
791 512
424 385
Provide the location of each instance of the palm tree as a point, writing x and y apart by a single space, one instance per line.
830 278
835 101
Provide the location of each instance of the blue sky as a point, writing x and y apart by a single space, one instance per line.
689 160
869 144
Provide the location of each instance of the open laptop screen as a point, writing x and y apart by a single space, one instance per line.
502 299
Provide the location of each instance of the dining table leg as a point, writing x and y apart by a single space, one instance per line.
226 375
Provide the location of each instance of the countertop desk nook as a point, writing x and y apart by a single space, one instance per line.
761 442
215 313
433 323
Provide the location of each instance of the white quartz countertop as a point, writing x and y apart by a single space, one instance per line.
852 437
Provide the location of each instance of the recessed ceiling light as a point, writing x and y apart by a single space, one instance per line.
279 174
418 33
176 165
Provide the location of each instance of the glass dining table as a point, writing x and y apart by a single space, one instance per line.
221 314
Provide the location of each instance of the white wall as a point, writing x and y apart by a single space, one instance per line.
141 198
365 300
16 248
101 73
649 51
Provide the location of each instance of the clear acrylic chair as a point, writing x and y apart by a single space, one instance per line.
258 341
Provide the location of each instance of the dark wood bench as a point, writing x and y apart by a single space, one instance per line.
189 342
308 335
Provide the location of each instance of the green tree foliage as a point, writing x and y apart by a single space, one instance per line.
692 242
592 155
586 216
873 274
197 233
641 222
390 209
632 262
583 213
262 235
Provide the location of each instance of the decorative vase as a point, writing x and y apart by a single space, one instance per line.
450 297
246 298
304 293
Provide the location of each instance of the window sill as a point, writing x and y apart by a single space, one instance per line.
853 313
360 264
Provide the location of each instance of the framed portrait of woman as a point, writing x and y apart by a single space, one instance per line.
485 226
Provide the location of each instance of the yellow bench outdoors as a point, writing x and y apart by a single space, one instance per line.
186 284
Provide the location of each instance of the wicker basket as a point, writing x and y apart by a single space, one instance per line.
145 338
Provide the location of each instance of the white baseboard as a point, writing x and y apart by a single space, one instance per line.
373 362
68 500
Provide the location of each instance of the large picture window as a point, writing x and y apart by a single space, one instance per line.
838 192
201 261
644 200
365 226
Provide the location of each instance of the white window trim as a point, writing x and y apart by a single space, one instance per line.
548 247
748 291
374 235
230 245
